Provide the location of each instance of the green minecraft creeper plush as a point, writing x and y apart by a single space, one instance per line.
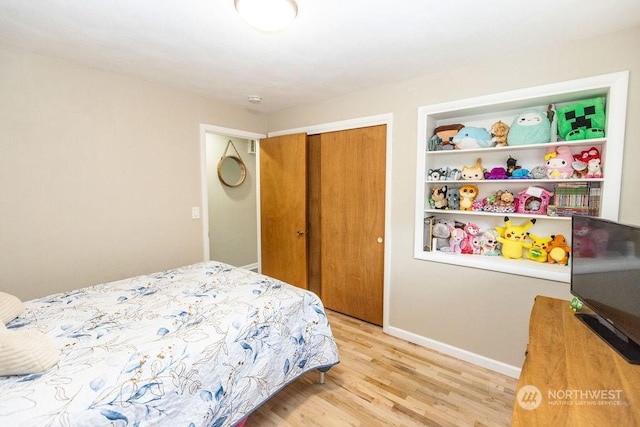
584 120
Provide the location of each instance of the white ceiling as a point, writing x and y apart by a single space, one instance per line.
333 47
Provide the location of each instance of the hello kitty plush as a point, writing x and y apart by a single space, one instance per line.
558 162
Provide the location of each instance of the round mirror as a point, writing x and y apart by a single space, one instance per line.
231 171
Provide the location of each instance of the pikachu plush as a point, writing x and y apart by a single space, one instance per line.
513 238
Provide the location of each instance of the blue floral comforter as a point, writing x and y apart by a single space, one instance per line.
202 345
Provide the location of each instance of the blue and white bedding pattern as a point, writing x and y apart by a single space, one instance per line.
201 345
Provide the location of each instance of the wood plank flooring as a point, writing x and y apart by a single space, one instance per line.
384 381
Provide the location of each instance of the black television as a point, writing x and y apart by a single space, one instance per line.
605 276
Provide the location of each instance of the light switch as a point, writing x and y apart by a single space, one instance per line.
195 212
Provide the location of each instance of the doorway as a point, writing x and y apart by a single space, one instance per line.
229 214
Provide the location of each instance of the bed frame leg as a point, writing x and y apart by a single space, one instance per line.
321 377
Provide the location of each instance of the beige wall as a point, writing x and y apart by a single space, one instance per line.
233 226
98 174
479 311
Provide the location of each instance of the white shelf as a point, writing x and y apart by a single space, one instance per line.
523 267
517 148
523 182
482 111
500 215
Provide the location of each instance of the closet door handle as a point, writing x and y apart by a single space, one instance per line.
299 233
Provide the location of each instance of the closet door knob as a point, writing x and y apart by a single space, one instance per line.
380 240
299 233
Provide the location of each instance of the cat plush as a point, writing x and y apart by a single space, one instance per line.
473 172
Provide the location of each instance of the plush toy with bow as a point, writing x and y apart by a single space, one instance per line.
559 163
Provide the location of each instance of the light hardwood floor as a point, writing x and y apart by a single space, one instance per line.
383 381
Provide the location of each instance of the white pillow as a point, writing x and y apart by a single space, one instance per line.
26 351
10 307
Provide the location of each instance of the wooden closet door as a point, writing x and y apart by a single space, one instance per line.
352 206
283 208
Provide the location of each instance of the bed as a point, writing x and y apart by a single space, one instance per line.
201 345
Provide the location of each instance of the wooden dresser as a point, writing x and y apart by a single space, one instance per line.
571 376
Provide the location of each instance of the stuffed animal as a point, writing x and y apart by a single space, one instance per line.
436 174
587 163
475 172
559 162
496 173
514 240
538 249
471 245
458 235
521 173
512 165
499 132
501 201
441 232
506 199
472 137
439 197
453 174
441 140
530 127
583 120
476 244
453 198
478 204
558 251
593 169
468 194
538 172
489 243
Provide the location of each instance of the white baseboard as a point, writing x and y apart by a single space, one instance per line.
252 267
456 352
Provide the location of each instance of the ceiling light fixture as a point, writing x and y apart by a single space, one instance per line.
255 99
267 15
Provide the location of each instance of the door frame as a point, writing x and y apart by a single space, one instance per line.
204 210
381 119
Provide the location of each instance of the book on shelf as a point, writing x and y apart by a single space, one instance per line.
577 198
